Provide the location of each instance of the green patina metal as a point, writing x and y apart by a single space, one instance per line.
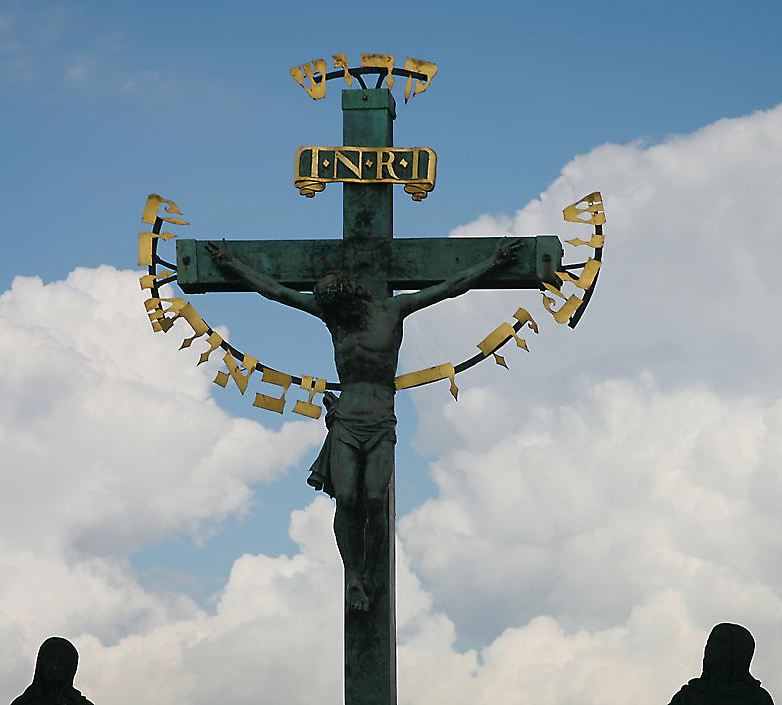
380 264
413 263
368 209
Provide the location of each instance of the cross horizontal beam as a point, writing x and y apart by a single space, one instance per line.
413 263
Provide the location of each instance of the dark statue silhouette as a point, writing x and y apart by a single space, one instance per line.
55 669
726 679
357 460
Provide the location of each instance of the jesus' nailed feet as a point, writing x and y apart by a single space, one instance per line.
355 596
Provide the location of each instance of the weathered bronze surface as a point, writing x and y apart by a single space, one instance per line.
349 284
356 464
412 263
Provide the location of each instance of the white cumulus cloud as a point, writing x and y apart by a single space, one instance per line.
597 509
110 440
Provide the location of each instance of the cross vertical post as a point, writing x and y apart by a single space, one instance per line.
367 215
320 277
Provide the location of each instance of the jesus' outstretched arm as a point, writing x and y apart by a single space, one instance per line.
460 283
265 285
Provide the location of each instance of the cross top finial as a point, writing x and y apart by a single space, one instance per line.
312 76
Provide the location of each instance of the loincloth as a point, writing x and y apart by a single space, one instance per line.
362 433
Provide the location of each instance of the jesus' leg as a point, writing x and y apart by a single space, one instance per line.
349 521
380 467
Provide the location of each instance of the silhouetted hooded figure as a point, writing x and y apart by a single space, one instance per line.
53 680
726 679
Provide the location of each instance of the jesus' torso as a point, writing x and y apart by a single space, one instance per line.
366 355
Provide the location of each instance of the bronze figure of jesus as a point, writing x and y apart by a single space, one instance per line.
356 462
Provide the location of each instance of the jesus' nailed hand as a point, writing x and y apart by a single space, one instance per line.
357 459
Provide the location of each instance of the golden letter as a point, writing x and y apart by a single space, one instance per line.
193 318
588 210
341 62
195 321
430 374
595 242
314 156
421 186
317 89
553 290
308 185
241 379
222 378
150 281
279 379
145 246
157 314
425 67
497 338
340 157
503 333
566 311
152 210
387 163
313 387
214 341
381 61
587 277
523 317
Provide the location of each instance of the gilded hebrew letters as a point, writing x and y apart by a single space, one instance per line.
498 337
595 242
382 61
152 210
341 62
525 319
312 75
214 341
415 168
234 372
425 67
566 311
587 277
157 313
316 89
312 386
505 332
430 374
145 246
150 281
279 379
589 210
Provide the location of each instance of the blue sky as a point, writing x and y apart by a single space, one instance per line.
107 102
104 103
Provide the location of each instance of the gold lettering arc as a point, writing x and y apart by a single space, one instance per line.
163 313
413 167
311 76
588 210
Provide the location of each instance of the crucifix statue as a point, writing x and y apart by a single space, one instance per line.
356 462
350 285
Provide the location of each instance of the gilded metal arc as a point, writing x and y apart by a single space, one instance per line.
573 322
591 212
312 76
239 355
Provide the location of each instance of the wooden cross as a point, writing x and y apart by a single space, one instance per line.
382 265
